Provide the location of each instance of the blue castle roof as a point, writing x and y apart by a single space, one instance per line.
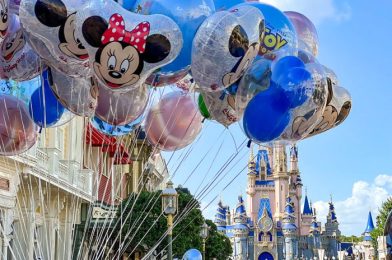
307 209
240 209
369 228
264 202
262 156
370 225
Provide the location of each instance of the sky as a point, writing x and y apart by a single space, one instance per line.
352 162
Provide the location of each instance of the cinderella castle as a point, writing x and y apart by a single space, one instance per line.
272 225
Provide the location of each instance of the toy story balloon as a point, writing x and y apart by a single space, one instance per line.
124 47
19 62
50 26
225 46
279 31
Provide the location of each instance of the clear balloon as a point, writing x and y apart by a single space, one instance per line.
17 131
44 108
192 254
115 130
221 5
117 108
78 95
306 32
124 47
279 31
174 122
50 26
189 15
65 118
19 62
22 90
220 106
225 46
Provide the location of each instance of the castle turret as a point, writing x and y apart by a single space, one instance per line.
369 228
294 159
367 239
281 178
306 217
241 231
290 230
251 174
332 232
314 233
220 218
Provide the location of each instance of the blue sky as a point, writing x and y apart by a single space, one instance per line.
353 162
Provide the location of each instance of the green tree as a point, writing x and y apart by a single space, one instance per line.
217 245
381 219
350 239
186 234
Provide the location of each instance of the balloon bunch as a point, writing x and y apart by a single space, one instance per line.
230 60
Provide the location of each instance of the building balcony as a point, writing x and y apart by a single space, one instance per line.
45 164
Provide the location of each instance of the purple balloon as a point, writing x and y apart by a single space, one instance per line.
306 32
174 122
17 131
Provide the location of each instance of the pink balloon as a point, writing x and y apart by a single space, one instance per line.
17 131
174 122
306 32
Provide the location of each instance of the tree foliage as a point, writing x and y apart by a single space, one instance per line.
350 239
381 219
217 245
144 235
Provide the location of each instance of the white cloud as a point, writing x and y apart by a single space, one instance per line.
352 212
317 11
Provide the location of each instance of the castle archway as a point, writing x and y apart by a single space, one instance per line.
265 256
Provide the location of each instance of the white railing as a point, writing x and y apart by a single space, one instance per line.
67 174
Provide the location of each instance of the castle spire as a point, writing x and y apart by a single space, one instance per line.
331 213
307 209
220 215
294 159
314 228
251 163
369 228
240 212
280 160
289 226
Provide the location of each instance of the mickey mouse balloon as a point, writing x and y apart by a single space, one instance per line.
124 47
225 45
4 9
50 26
18 60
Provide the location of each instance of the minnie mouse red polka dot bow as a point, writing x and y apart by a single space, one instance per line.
116 33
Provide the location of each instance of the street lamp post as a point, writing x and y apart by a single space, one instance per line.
169 208
204 235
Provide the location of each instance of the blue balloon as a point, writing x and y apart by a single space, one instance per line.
44 108
267 115
221 5
283 65
114 130
279 33
188 14
296 84
192 254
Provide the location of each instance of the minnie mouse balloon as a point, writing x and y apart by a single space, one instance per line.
117 108
174 122
220 107
225 45
50 25
188 15
17 131
19 62
78 95
124 47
